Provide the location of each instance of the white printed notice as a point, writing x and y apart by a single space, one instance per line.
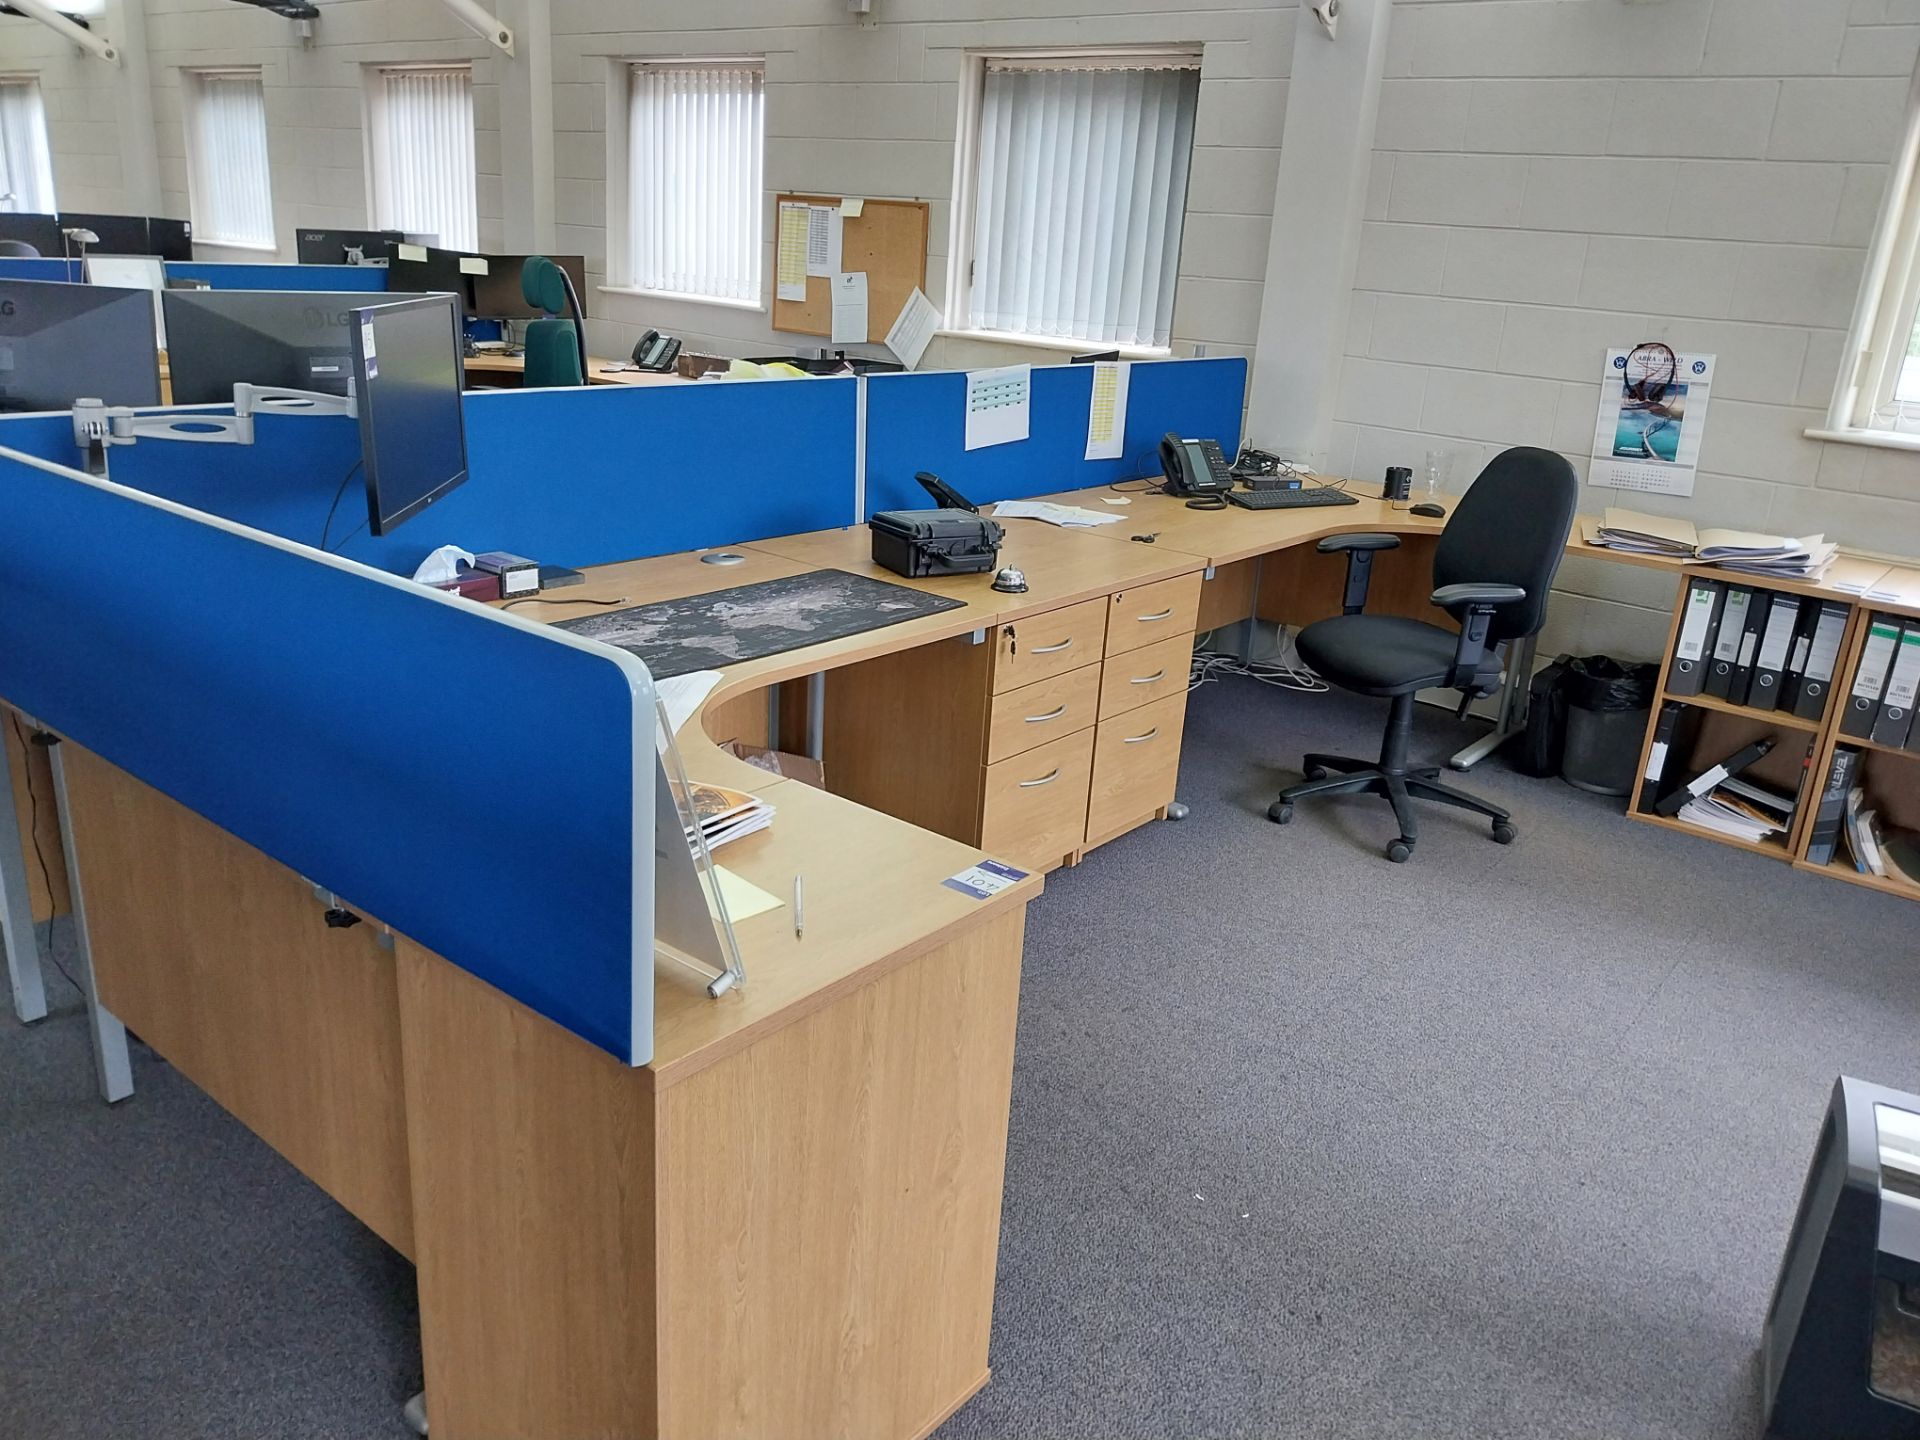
790 251
823 240
913 330
1653 412
998 405
850 308
1107 410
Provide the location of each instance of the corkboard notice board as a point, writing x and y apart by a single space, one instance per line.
888 240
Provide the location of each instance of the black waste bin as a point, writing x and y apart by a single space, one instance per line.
1606 709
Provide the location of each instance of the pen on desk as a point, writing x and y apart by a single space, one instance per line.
799 910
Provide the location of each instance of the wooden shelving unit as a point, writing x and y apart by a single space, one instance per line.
1892 774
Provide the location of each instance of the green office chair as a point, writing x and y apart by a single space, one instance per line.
556 349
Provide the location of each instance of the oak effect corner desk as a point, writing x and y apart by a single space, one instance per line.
787 1223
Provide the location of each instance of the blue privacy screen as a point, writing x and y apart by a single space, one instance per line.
918 422
467 777
280 277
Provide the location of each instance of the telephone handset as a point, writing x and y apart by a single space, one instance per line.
655 351
1195 467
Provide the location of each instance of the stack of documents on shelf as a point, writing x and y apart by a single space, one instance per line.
1774 557
1645 534
726 815
1071 516
1780 557
1741 808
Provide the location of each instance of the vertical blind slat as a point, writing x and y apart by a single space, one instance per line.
695 142
1079 201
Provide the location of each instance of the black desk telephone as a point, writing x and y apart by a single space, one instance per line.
655 351
1195 467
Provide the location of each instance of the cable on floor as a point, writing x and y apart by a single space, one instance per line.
1209 666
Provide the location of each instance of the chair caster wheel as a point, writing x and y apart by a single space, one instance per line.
1280 812
1399 851
1503 833
1314 772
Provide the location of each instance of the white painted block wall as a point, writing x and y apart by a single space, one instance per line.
1552 177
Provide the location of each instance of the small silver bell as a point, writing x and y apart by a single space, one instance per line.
1010 581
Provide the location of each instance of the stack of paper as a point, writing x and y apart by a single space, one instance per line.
1646 534
1777 557
1741 809
726 815
1071 516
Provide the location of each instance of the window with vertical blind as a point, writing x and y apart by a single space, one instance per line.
227 178
26 163
1079 188
696 134
420 148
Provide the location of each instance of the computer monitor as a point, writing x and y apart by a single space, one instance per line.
119 234
170 239
293 338
133 272
439 271
42 232
341 247
60 342
407 381
496 294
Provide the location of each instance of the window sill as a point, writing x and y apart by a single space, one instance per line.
1878 439
253 245
1051 342
682 296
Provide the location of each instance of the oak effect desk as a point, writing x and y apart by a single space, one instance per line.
490 369
787 1222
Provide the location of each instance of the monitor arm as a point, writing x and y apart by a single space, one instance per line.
97 425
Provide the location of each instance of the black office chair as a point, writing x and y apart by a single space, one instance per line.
1492 571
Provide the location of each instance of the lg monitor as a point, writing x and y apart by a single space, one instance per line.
407 382
119 234
496 294
298 339
59 343
346 247
42 232
170 239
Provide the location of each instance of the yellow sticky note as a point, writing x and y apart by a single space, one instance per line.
744 898
851 207
473 265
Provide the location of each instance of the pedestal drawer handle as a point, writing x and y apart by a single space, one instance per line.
1137 739
1043 780
1159 674
1051 649
1163 615
1050 715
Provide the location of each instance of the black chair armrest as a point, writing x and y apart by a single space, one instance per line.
1359 547
1453 597
1473 605
1359 540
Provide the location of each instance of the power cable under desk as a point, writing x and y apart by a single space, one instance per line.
1211 666
33 829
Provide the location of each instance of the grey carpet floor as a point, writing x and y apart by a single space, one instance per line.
1503 1142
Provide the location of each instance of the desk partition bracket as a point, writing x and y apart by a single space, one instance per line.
97 425
112 1066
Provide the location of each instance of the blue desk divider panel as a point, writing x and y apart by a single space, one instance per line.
25 267
918 422
374 736
568 477
280 277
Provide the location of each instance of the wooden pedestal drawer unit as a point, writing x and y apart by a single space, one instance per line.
1035 806
1142 676
1136 764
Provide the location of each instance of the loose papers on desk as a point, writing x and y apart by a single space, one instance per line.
682 694
1066 516
999 405
1744 551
